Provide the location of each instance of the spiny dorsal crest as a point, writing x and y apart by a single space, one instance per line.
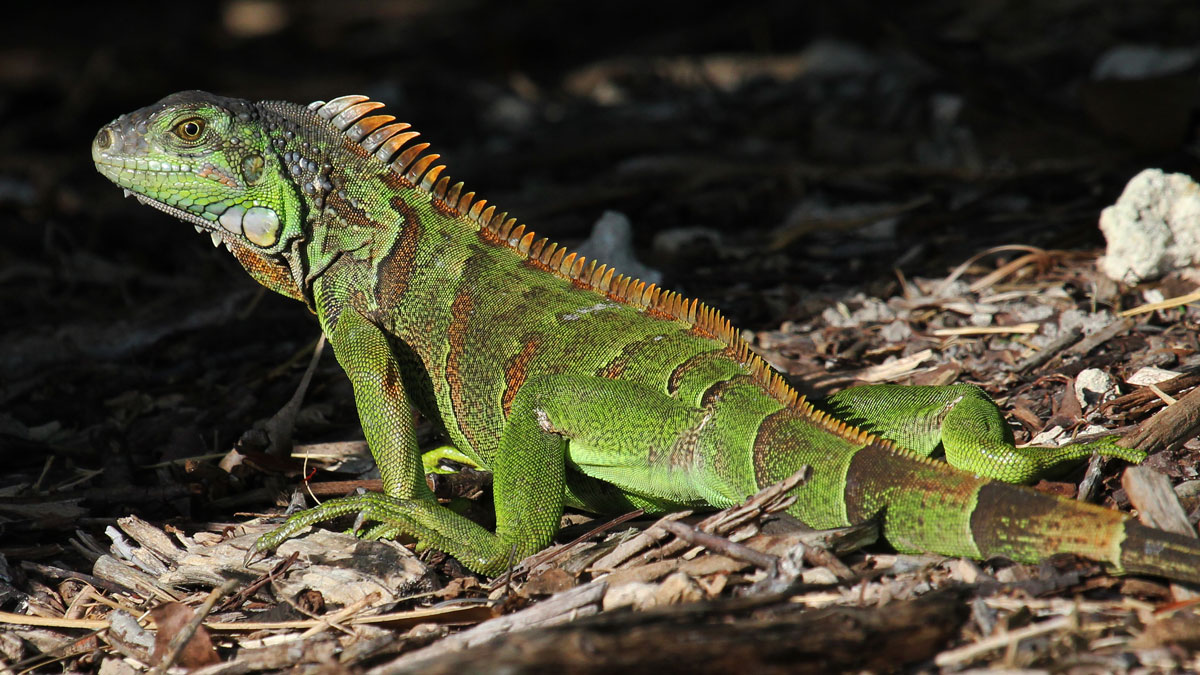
382 136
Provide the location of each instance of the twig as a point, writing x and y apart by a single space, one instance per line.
281 425
1090 342
1157 506
818 556
1162 395
771 499
962 268
1141 399
993 277
965 654
1176 301
636 544
1151 494
721 545
335 619
59 574
454 614
1063 341
1020 329
566 606
893 369
12 618
236 601
548 555
1091 479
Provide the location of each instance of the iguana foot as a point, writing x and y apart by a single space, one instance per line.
1029 463
1105 446
378 531
431 524
370 506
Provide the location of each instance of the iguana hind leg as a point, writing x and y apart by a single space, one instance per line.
967 425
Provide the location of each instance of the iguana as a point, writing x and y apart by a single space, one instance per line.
573 384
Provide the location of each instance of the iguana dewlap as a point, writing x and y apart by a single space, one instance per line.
573 384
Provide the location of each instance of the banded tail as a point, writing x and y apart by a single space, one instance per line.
927 505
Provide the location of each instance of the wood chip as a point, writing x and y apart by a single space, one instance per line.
893 370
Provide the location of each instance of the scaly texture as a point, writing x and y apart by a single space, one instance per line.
573 384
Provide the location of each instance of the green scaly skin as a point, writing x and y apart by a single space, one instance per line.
573 385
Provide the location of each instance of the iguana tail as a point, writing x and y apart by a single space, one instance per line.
926 505
1145 550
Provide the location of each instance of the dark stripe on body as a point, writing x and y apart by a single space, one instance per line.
516 370
395 269
456 339
769 442
717 389
675 380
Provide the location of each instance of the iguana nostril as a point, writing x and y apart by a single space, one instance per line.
104 139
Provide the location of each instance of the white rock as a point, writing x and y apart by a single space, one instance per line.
1094 386
1053 436
1153 228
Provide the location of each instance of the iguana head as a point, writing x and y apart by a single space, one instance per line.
213 162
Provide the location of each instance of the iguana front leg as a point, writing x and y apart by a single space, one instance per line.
384 411
406 504
548 415
966 423
528 484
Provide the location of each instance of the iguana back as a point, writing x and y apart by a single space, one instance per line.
572 383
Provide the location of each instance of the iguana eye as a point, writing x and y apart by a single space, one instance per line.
190 129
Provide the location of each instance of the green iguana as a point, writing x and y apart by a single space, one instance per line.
573 384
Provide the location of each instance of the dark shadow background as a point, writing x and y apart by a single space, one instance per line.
127 342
